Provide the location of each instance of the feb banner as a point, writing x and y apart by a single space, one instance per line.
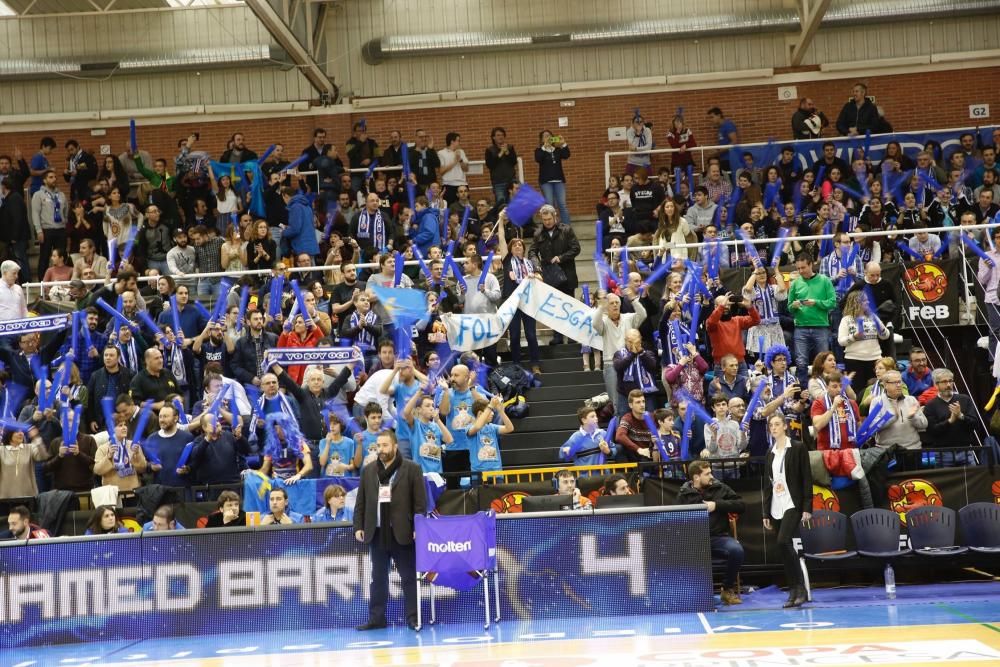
931 293
535 299
928 293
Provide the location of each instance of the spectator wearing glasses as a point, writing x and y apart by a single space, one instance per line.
951 416
918 376
908 418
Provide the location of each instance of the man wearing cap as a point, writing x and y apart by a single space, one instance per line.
181 259
639 138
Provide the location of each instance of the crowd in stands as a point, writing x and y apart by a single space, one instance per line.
167 391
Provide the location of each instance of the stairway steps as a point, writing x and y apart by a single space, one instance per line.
576 392
532 458
554 408
571 378
564 365
546 424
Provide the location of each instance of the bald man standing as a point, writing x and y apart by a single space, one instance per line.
153 381
456 405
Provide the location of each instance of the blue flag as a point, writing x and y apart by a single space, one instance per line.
406 304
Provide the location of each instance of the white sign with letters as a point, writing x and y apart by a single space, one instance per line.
977 111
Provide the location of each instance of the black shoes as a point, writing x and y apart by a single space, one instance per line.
796 597
370 626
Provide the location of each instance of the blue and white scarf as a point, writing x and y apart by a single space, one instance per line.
778 385
121 459
521 267
365 340
834 426
284 405
637 373
305 356
56 213
33 324
372 227
766 303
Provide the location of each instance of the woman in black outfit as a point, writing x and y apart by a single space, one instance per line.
787 501
516 269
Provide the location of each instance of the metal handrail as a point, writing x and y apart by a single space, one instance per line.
790 142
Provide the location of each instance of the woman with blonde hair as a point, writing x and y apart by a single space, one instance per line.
859 334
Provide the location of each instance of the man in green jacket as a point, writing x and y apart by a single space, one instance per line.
163 190
810 299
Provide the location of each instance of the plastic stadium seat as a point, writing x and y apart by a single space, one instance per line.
824 536
981 527
932 531
876 532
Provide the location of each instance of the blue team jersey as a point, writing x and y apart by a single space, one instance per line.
340 451
427 445
402 393
484 449
460 418
369 448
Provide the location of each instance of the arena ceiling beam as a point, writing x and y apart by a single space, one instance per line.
811 13
298 25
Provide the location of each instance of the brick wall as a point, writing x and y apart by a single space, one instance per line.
911 102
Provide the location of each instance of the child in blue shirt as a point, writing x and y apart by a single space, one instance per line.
366 440
588 446
428 436
484 435
338 456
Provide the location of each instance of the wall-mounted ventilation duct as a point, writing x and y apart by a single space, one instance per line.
786 21
256 55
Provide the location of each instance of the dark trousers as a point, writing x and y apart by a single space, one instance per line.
557 338
727 547
405 558
785 528
54 238
864 372
516 322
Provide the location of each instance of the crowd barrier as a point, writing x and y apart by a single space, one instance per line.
808 151
131 587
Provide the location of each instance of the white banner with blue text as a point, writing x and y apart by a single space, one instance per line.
545 304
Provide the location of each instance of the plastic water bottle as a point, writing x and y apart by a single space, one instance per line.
890 582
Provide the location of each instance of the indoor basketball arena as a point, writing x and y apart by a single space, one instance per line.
499 333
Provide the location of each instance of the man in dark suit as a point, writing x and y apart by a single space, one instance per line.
391 492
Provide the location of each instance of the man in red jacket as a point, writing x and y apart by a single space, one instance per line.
724 330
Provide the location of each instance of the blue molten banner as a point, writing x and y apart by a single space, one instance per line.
160 585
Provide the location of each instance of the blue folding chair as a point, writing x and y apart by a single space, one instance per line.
981 527
824 536
458 552
876 532
932 531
